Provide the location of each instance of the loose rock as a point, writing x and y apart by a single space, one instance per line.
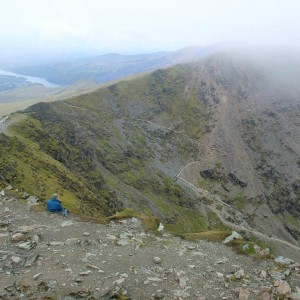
244 294
235 235
18 237
282 287
156 260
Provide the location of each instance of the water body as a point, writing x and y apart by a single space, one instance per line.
31 79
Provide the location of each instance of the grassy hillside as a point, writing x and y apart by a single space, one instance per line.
117 147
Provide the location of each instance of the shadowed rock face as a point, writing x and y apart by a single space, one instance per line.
236 181
231 119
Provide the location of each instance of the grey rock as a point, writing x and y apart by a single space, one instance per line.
181 293
122 242
4 223
66 223
85 273
239 274
25 246
182 280
295 296
256 248
158 296
245 247
154 279
277 275
263 274
119 281
235 235
32 199
156 260
31 259
16 259
295 266
68 270
266 296
282 287
18 237
287 272
52 284
191 247
111 237
160 227
35 239
25 195
54 243
27 229
283 260
36 275
198 254
93 267
72 241
244 294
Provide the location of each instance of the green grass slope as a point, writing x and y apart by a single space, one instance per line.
118 147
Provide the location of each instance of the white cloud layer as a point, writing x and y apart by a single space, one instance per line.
50 27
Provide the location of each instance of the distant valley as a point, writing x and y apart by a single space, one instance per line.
61 80
109 67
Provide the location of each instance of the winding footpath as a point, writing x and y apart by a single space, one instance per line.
258 234
215 198
2 124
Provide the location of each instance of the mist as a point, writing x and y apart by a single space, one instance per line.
35 31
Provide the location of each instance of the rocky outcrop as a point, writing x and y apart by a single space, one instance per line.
236 181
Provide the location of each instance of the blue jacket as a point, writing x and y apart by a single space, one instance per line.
54 205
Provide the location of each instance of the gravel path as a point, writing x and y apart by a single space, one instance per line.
71 259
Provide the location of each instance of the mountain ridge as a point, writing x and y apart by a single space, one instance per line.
216 116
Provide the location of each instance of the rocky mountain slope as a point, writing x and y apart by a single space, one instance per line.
210 145
251 156
48 256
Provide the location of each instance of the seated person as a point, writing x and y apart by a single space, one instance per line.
54 205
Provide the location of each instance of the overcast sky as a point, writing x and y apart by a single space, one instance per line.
72 27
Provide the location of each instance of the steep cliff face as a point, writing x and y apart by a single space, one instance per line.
226 126
251 155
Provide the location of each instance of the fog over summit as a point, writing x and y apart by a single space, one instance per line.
37 31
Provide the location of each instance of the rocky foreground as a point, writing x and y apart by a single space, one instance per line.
48 256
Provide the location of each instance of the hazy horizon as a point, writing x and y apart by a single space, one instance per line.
47 30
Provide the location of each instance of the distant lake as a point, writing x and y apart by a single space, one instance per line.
31 79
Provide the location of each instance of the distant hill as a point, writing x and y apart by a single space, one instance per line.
207 145
20 98
83 75
113 66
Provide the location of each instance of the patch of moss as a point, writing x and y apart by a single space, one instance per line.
204 184
186 220
150 222
240 200
248 248
215 223
211 235
292 220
